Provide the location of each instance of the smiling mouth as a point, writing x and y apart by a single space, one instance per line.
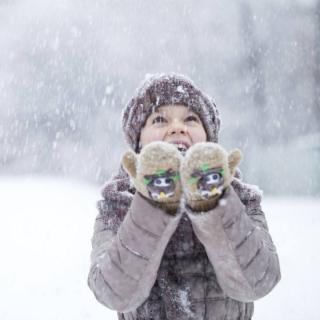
182 147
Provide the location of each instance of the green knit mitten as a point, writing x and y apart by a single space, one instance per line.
155 173
206 171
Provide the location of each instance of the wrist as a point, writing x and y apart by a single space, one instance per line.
170 207
205 204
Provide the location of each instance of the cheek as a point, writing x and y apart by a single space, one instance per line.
199 135
149 135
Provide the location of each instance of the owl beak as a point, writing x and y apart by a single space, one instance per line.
162 195
214 191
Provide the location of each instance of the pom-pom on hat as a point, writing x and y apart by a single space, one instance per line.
167 89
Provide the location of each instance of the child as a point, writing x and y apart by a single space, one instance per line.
179 235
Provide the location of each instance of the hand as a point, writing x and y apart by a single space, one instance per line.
206 171
155 173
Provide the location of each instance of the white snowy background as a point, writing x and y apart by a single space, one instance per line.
68 67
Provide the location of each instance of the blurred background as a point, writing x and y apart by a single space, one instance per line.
69 67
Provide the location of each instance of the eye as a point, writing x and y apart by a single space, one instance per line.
192 118
158 119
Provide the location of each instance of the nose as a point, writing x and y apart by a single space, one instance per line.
177 127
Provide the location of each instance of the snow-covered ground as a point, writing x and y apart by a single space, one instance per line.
45 230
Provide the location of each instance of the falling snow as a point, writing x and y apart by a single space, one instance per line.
67 70
74 75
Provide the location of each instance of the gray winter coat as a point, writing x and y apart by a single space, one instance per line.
147 264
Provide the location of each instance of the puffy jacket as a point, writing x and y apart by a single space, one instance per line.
147 264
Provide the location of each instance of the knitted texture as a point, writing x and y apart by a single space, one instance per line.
171 295
164 89
118 194
120 191
168 89
172 89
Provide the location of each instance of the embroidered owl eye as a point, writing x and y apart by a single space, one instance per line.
161 182
213 178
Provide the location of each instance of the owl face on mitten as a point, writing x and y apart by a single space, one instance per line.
155 171
207 170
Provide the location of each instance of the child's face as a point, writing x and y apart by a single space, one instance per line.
174 124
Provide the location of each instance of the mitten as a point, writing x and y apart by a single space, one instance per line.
155 173
206 171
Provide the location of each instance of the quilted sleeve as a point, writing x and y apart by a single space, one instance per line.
239 246
126 253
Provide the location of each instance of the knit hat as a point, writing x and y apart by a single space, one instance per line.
167 89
